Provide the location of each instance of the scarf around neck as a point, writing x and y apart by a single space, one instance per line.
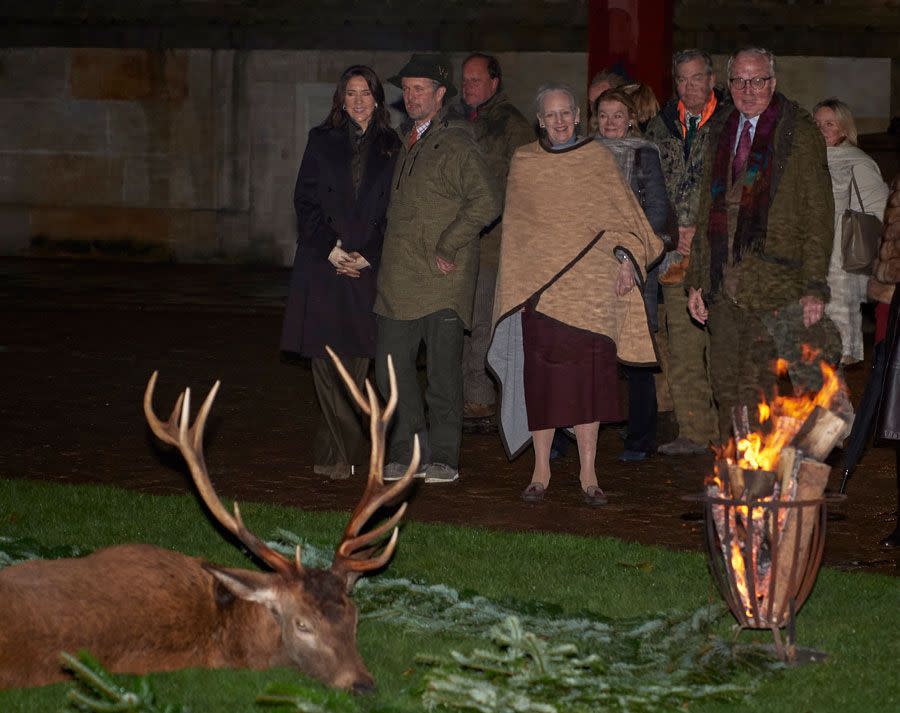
753 216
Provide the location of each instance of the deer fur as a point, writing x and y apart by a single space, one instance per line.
140 608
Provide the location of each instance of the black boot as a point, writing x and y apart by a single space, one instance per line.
893 540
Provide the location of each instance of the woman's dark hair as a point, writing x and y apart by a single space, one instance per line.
338 118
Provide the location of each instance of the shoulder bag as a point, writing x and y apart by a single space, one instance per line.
860 236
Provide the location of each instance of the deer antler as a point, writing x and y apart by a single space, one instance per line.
189 441
357 552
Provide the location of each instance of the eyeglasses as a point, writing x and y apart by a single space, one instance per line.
757 83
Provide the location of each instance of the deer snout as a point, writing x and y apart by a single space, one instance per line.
356 679
363 686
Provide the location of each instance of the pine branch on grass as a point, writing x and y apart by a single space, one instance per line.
96 692
14 550
523 673
304 699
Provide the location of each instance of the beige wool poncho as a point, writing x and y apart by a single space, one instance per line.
566 212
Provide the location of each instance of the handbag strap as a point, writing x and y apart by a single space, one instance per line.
855 187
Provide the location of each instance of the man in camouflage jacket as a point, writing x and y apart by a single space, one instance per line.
681 132
499 129
442 197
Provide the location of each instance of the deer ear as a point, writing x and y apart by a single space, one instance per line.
252 586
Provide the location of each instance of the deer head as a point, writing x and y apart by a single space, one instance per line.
307 618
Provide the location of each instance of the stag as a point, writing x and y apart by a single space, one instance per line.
140 608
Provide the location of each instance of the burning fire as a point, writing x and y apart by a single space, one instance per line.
785 415
748 529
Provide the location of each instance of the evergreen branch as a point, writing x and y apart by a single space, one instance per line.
97 692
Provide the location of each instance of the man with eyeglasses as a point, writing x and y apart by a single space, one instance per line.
763 242
681 132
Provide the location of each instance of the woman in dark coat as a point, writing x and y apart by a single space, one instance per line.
341 199
639 163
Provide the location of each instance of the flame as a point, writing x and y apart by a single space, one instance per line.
761 451
740 577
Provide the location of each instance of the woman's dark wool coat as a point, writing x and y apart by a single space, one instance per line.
325 308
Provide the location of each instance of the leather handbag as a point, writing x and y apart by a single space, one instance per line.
860 236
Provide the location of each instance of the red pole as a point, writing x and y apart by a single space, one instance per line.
634 38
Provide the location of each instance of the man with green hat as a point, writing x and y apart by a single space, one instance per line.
442 197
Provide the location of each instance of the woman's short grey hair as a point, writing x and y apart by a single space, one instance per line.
761 51
549 88
691 54
844 117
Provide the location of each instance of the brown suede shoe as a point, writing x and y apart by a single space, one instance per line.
594 497
534 493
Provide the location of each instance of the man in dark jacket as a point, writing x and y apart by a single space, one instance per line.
681 130
763 243
499 129
442 197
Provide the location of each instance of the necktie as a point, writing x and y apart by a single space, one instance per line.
690 133
413 137
743 151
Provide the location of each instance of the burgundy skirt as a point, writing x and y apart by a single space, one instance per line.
570 374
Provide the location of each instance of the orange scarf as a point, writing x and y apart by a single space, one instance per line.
708 110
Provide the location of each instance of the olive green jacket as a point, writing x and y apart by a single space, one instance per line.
442 197
499 129
794 258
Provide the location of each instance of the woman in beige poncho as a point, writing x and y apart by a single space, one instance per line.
575 241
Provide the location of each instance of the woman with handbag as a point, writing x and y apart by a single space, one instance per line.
858 188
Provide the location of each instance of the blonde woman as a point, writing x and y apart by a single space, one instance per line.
848 164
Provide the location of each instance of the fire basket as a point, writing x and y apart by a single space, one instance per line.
765 506
765 555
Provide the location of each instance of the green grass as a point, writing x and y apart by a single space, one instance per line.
854 617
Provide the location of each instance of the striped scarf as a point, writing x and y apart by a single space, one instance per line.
753 216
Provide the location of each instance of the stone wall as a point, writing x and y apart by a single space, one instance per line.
186 155
191 154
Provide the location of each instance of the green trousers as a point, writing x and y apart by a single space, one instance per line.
341 437
688 370
442 333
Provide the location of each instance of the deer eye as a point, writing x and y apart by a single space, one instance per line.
301 626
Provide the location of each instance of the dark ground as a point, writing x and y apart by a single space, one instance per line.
80 339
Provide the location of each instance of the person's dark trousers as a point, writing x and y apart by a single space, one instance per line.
893 540
340 438
642 409
442 333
